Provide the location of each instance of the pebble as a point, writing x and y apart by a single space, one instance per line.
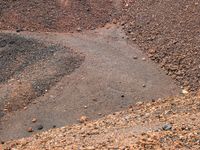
79 29
30 129
133 39
40 127
184 91
19 30
34 120
139 103
167 127
144 59
83 119
135 57
99 114
95 100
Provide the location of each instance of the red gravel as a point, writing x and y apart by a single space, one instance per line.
55 15
168 31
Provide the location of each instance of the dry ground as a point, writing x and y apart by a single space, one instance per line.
171 123
55 15
167 31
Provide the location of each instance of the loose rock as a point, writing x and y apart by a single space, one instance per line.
167 127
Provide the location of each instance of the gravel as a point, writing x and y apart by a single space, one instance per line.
55 15
135 128
28 69
168 31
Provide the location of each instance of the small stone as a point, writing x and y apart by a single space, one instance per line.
30 129
167 127
122 96
94 99
34 120
139 103
114 21
85 107
133 39
143 85
144 59
99 114
19 30
135 57
79 29
184 91
40 127
83 119
123 23
54 126
152 51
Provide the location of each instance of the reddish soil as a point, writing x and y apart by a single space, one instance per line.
55 15
168 31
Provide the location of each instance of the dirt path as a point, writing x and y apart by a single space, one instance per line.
113 76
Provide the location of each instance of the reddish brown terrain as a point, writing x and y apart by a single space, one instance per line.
108 74
165 124
55 15
168 31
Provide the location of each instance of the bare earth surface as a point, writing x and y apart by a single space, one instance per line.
56 15
109 80
29 69
165 124
168 31
93 71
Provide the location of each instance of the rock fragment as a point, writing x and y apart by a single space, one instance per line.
83 119
30 129
34 120
167 127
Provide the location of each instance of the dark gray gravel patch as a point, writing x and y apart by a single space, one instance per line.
28 69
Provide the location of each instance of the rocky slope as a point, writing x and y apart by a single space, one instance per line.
168 31
171 123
